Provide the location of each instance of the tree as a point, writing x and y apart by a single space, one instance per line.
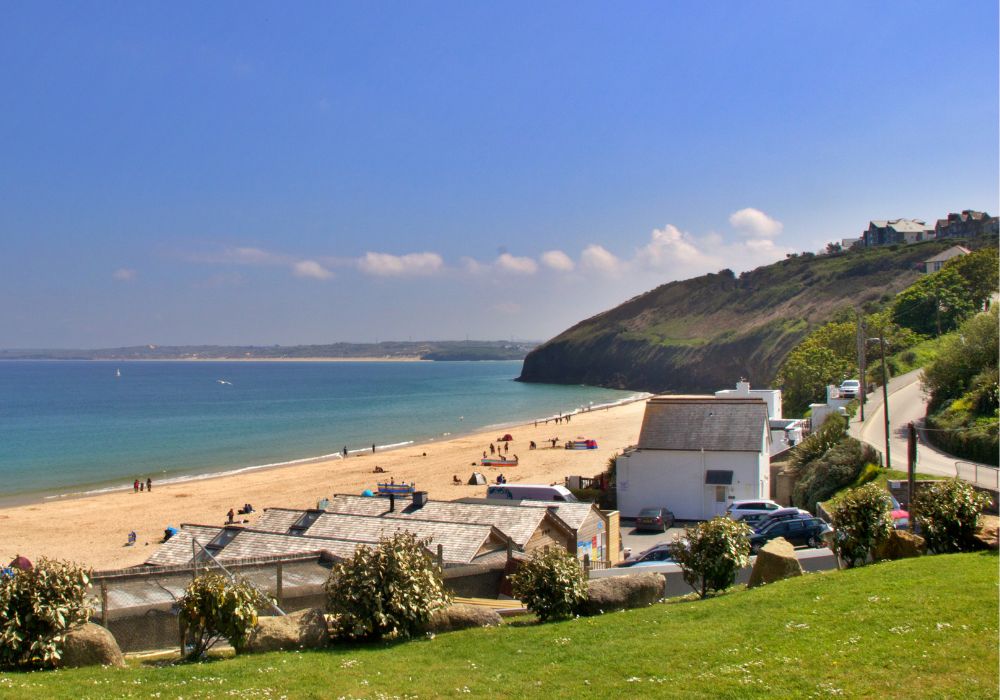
962 357
37 608
863 519
387 591
948 514
215 608
712 553
550 584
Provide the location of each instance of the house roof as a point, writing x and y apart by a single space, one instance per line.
573 514
704 423
518 523
948 254
179 548
900 225
278 519
250 543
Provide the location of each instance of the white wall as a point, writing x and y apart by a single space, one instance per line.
772 397
676 480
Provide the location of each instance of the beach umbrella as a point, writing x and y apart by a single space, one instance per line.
22 563
367 492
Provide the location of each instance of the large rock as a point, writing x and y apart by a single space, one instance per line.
986 536
460 617
901 544
305 629
775 561
91 645
622 592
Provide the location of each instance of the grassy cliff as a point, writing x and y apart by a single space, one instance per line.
705 333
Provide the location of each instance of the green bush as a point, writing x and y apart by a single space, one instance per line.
214 608
948 514
550 584
840 466
820 440
712 553
386 591
37 609
863 519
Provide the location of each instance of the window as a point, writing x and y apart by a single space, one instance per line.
720 494
796 525
771 506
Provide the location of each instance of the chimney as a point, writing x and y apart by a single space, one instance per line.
392 503
419 499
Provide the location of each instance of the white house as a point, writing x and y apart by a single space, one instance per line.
696 454
937 262
819 412
772 397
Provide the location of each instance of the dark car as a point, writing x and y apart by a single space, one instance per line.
655 555
798 531
658 519
780 514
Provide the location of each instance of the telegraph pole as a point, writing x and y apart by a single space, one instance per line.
911 469
862 344
885 400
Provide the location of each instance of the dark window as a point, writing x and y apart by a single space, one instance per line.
795 525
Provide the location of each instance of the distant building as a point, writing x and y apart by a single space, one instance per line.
695 455
937 262
892 231
848 243
771 397
966 225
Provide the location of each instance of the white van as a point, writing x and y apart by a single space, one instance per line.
529 492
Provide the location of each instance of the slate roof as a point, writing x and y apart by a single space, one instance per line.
178 550
948 254
573 514
704 422
518 523
460 542
249 543
277 519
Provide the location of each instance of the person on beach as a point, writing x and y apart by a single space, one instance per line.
141 485
135 486
230 515
506 447
149 484
484 454
492 449
373 448
345 451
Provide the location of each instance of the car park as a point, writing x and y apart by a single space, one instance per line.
850 389
739 509
799 531
657 519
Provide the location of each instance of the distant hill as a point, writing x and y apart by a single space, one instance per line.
426 350
703 334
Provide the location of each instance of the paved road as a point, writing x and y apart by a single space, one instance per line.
907 402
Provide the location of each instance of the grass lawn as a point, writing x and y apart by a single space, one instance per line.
920 628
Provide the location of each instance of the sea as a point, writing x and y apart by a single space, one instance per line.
69 427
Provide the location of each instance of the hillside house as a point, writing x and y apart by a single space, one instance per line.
967 224
695 455
889 232
937 262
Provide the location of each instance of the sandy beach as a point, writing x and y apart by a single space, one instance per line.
92 530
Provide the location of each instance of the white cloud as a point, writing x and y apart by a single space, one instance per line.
472 266
519 266
387 265
669 247
124 274
311 269
600 259
254 256
557 260
755 223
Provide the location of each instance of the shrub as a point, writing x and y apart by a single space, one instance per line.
948 514
712 553
863 518
37 609
816 445
215 608
386 591
840 466
550 584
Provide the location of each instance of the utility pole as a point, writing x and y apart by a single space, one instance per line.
862 345
885 399
911 469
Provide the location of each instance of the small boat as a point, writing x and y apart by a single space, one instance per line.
498 462
581 444
118 372
223 381
393 489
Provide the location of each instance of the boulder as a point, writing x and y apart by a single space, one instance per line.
305 629
460 617
91 645
622 592
986 534
901 544
775 561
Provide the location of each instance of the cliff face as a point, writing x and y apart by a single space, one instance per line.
704 333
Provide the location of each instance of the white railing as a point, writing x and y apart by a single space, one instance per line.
978 474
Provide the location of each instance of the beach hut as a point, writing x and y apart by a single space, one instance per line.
477 479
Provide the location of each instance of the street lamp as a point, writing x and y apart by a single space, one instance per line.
885 398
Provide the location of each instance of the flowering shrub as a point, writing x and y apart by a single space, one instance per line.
948 514
215 608
385 591
550 584
37 609
863 519
711 554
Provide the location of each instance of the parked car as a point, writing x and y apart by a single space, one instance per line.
739 509
850 389
657 554
658 519
799 531
780 514
900 517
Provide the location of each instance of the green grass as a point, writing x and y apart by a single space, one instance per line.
920 628
878 475
919 355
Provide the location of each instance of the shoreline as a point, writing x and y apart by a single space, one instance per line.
49 496
92 528
401 358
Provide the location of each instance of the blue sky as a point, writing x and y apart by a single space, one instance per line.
303 173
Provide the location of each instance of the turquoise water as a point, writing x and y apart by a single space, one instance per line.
70 427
